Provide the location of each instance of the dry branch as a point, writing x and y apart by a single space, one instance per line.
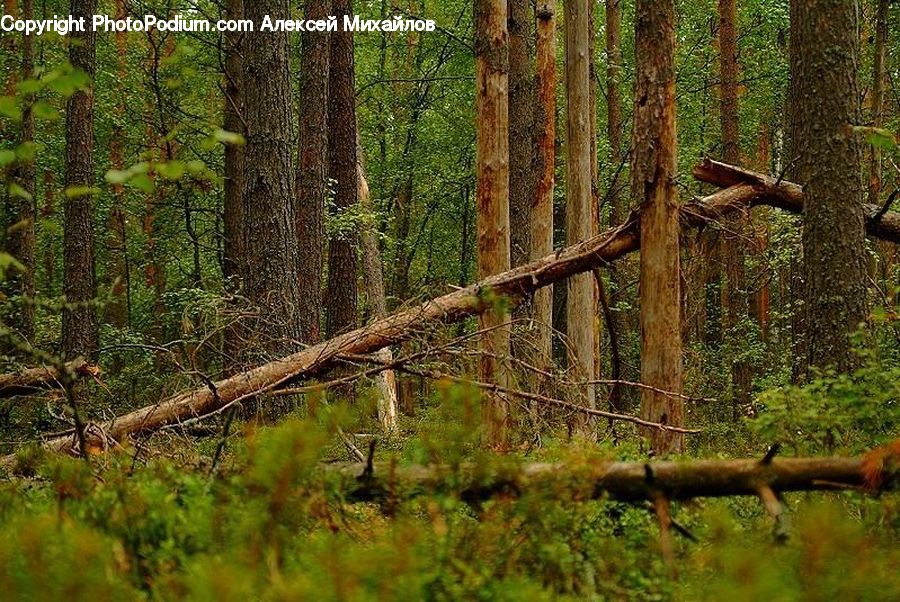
786 195
34 380
624 481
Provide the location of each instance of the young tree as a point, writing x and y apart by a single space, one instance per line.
312 172
653 187
545 168
581 309
270 233
492 192
80 332
829 164
342 164
735 302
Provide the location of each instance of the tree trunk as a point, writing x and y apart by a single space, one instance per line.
521 126
21 209
234 153
830 161
492 174
580 310
624 320
878 77
80 334
270 233
545 170
341 298
653 186
312 173
234 253
374 278
734 302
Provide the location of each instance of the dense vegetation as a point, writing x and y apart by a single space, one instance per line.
245 502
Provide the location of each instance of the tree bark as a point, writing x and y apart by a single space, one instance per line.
492 174
829 166
374 278
878 77
341 298
270 234
312 173
21 210
626 481
545 169
521 125
653 187
580 306
234 154
234 253
80 333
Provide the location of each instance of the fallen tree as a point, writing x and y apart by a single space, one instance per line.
765 478
748 189
880 221
35 380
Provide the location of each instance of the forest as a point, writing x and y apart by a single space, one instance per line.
450 300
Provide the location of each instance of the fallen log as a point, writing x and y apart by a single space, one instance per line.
750 189
880 223
627 481
35 380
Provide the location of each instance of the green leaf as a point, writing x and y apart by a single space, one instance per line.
74 192
878 137
30 86
171 170
117 176
226 137
196 167
9 107
44 111
142 182
17 191
27 151
7 157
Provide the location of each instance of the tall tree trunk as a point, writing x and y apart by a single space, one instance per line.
521 124
618 205
270 232
545 170
234 253
653 186
341 298
492 170
374 278
830 162
21 239
624 320
80 334
579 215
734 301
312 173
234 153
878 77
118 312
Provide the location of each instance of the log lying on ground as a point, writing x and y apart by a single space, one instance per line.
880 223
627 481
35 380
751 189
